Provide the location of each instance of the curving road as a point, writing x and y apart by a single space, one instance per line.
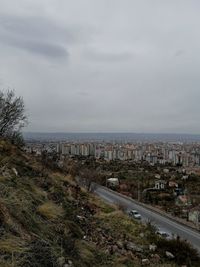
163 223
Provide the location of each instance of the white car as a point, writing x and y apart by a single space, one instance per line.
163 234
134 214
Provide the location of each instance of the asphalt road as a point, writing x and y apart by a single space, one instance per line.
161 222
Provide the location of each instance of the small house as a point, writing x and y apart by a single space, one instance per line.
113 182
160 184
157 176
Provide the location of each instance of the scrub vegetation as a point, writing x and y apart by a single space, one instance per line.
47 220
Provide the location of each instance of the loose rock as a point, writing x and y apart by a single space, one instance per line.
120 244
133 247
169 255
155 258
152 247
61 261
145 262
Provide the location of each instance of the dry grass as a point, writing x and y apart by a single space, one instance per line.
102 206
57 177
117 222
86 251
107 216
4 263
3 178
11 244
127 261
50 210
39 192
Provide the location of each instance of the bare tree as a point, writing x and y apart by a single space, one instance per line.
12 116
89 176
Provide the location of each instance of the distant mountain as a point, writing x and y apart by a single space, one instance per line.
140 137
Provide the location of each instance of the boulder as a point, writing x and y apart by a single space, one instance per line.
70 263
123 252
152 247
107 251
15 171
61 261
80 218
169 255
145 262
142 235
120 244
133 247
114 248
155 258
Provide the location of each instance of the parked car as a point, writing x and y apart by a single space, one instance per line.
134 214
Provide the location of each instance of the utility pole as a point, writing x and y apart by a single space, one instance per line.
138 191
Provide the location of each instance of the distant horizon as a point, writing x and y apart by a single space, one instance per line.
111 136
107 132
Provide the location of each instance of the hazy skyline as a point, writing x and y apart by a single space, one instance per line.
103 66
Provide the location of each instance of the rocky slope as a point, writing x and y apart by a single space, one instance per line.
47 220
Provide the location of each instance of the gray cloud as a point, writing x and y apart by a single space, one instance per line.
37 27
36 47
109 65
46 49
38 35
179 53
107 56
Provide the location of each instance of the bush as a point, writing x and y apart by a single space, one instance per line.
184 253
40 254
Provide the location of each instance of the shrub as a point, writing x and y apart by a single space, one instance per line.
40 254
184 253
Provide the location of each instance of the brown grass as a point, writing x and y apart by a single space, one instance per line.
11 244
50 210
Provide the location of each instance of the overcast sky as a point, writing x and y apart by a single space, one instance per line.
103 65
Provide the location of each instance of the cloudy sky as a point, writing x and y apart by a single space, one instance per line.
103 65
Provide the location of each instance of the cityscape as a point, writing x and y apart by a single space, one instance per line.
182 154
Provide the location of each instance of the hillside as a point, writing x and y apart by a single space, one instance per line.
47 220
